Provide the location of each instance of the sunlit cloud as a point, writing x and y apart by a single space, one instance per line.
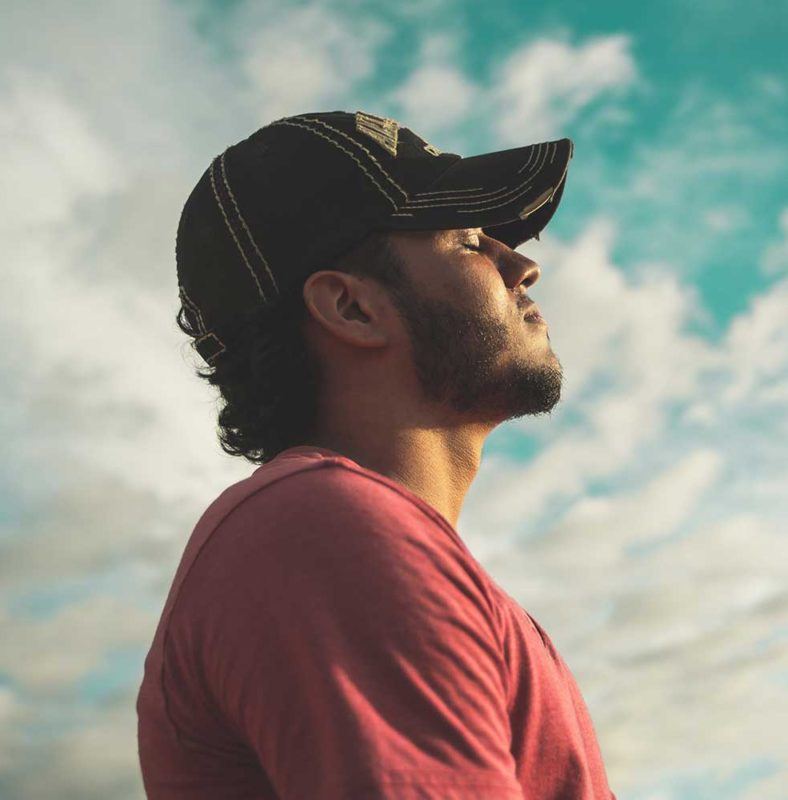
636 531
436 95
543 85
298 59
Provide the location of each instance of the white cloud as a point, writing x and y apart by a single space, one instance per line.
48 144
693 191
669 497
38 658
306 58
658 561
436 94
545 84
94 759
757 347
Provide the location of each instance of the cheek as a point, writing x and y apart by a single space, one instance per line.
487 293
474 285
497 300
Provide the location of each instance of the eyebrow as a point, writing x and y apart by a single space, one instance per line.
466 231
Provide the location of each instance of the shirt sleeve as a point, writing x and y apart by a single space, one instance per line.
351 643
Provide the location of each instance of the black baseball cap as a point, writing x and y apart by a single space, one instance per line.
304 189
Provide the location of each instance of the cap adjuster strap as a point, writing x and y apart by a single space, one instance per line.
208 344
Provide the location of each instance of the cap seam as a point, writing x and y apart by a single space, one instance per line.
532 174
344 150
232 232
243 222
358 144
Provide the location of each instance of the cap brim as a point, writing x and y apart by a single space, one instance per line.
510 194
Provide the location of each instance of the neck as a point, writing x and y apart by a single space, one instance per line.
436 464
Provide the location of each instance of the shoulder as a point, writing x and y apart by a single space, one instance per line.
307 512
333 511
333 494
332 538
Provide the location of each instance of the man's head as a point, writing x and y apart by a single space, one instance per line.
454 320
332 250
429 317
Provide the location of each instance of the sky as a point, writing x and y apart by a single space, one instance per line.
643 522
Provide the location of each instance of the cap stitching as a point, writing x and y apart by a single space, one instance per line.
482 206
361 146
194 308
232 232
505 190
358 144
452 192
497 205
448 191
246 228
535 152
191 305
490 195
339 146
541 165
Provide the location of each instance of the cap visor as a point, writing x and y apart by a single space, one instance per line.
510 194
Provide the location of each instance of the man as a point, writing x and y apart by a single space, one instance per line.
328 634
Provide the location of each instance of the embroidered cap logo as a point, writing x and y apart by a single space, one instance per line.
382 130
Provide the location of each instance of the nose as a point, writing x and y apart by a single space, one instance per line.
519 270
530 272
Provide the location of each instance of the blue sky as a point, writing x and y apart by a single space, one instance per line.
643 523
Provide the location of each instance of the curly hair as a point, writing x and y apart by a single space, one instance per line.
269 381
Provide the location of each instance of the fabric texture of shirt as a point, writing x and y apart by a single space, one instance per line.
329 636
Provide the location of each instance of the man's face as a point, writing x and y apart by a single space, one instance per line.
464 308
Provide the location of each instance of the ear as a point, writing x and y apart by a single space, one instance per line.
346 307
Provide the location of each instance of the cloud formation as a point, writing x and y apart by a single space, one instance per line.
547 83
636 532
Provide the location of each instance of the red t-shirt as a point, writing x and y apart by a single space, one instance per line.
328 636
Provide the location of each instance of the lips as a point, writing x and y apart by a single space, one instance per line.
533 315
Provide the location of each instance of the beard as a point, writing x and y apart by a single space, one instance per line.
480 367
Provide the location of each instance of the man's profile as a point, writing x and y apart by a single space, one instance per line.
358 298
